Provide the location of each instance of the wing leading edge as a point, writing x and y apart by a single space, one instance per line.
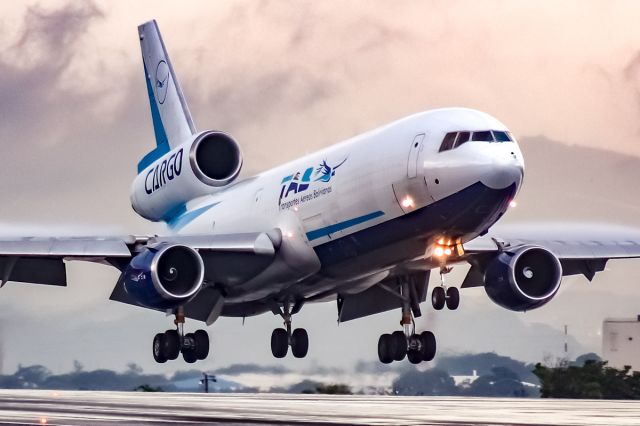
581 249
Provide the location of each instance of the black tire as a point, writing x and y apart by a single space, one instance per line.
427 346
438 298
279 343
201 338
385 349
399 342
453 298
158 349
171 344
299 343
414 356
189 355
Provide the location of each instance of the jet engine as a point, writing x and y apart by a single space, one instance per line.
165 276
215 158
198 167
524 279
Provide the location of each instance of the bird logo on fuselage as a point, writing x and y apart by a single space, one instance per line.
326 172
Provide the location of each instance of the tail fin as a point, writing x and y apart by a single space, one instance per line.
172 122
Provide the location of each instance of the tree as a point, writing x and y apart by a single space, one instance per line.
593 380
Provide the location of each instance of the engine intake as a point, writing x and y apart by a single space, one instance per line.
165 276
215 158
524 279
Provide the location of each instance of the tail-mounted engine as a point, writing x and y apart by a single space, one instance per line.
164 277
210 160
524 279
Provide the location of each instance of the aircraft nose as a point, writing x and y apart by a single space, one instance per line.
505 170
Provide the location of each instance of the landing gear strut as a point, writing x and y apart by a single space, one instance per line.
407 343
282 338
442 295
168 345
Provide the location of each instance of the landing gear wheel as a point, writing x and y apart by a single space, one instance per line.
453 298
171 344
385 349
189 353
279 342
399 345
427 345
158 348
438 298
201 339
299 343
414 356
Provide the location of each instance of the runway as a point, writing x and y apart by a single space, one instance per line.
130 408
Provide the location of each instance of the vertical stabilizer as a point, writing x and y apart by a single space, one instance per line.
172 122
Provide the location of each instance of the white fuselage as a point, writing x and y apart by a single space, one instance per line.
369 183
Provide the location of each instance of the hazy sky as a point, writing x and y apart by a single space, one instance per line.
289 78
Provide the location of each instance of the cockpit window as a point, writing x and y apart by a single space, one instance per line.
462 138
501 136
484 136
455 139
448 141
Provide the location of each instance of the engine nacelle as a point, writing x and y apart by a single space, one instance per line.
165 276
524 279
197 167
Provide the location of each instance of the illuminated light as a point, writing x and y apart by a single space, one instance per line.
43 420
407 202
513 203
295 209
289 234
439 251
447 251
441 241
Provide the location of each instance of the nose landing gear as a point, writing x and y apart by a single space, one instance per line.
443 296
168 345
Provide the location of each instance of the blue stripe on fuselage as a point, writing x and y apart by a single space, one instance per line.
340 226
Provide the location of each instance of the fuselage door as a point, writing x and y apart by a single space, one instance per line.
414 154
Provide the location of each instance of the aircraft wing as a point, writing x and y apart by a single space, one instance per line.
581 249
41 260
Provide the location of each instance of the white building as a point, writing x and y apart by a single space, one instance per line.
621 342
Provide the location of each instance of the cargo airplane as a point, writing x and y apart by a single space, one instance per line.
361 224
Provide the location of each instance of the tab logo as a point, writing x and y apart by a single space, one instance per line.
301 182
162 81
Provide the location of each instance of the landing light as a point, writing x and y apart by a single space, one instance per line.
439 251
43 420
407 202
513 204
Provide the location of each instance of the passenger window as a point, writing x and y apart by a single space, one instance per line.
501 136
448 141
485 136
462 138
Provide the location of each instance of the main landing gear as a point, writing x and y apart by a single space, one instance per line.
442 295
407 343
282 338
168 345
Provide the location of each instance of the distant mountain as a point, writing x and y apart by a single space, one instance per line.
577 184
